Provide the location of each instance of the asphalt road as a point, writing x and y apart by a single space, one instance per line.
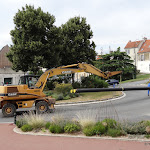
134 106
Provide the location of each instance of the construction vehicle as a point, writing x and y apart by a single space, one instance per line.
24 96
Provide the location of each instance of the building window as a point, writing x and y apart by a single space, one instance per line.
142 57
7 80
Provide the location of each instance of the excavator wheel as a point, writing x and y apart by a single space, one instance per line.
42 107
8 110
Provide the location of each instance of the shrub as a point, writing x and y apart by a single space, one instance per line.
93 82
71 128
26 128
63 88
89 131
111 123
60 97
147 136
47 125
76 85
67 97
134 128
48 93
55 128
20 122
114 132
100 128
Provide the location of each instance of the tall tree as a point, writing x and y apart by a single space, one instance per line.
36 40
117 61
77 44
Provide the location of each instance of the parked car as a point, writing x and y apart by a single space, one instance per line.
112 81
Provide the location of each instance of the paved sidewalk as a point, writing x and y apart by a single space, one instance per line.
14 141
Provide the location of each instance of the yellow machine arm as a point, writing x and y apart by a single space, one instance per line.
75 68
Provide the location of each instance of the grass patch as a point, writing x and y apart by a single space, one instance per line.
93 96
139 77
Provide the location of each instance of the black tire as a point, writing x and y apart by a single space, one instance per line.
8 110
42 107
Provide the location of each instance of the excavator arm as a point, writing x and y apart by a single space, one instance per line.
75 68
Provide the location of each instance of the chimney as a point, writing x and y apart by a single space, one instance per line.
144 39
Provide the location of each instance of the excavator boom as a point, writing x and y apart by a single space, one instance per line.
75 68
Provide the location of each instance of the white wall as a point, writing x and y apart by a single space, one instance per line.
144 66
9 73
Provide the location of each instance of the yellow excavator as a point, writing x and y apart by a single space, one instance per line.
24 96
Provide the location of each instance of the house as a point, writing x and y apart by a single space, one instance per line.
7 75
144 57
139 51
132 49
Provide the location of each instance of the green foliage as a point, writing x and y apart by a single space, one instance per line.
26 128
111 123
100 128
93 82
71 127
77 44
114 132
147 136
134 127
117 61
36 40
56 128
47 125
89 131
76 85
63 88
20 122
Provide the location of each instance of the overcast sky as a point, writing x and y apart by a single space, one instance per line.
113 22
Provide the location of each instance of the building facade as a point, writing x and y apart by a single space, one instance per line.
7 75
139 51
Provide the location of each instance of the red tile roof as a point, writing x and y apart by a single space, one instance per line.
132 44
145 47
98 57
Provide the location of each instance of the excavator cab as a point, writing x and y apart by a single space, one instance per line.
29 80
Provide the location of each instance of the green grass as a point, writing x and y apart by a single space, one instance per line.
93 96
139 77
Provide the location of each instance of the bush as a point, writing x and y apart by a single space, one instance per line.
20 122
26 128
60 97
89 131
55 128
114 132
67 97
100 128
93 82
76 85
48 93
111 123
63 88
47 125
134 128
71 128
